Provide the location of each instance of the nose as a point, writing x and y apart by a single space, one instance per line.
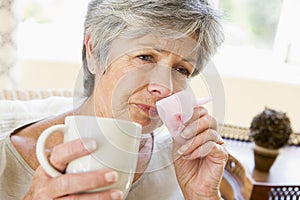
159 90
160 83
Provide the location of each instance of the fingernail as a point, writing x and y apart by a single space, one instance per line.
89 144
186 157
186 134
221 141
184 147
116 195
111 177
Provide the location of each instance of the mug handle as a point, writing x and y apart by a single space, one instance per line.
40 149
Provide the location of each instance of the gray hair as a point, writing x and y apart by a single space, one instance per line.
107 19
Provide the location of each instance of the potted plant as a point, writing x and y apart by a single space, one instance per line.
270 130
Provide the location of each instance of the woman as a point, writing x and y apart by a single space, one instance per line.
135 53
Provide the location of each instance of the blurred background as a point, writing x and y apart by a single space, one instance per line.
259 63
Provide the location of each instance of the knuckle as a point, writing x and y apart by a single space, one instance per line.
63 182
214 123
213 120
210 121
201 110
72 197
225 153
54 158
95 181
39 172
38 193
103 195
206 120
215 133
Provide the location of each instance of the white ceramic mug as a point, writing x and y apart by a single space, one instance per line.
117 147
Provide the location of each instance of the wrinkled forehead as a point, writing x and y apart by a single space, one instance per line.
185 47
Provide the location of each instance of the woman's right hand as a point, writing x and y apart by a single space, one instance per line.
71 186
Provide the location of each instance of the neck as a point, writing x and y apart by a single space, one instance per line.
144 158
143 142
88 108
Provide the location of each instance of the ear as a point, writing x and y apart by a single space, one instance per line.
89 55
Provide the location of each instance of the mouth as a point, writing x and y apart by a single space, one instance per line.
149 110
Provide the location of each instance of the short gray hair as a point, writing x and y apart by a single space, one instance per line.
107 19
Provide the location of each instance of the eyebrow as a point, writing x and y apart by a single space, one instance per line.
190 60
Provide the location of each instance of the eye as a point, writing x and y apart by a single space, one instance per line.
147 58
182 70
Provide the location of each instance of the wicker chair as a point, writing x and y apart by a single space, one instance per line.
33 94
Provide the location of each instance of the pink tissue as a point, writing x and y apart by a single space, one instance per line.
176 110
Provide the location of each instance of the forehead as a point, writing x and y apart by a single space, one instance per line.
185 47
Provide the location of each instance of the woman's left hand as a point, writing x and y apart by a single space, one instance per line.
201 160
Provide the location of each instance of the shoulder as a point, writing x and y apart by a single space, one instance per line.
25 138
25 146
15 174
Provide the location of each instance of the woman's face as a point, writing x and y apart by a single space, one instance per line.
142 71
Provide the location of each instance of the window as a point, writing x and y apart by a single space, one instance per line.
261 39
260 34
51 29
287 43
251 22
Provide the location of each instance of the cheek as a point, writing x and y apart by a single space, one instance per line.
127 85
103 94
102 101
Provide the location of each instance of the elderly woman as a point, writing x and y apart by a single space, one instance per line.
135 53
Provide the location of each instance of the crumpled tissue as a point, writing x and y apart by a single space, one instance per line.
176 110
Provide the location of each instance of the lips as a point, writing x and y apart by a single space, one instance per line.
149 110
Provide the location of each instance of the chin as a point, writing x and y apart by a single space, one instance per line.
150 127
148 123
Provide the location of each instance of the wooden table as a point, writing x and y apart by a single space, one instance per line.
285 170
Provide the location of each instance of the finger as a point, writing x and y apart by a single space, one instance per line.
80 182
219 152
198 112
40 172
64 153
201 151
200 139
199 126
107 194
